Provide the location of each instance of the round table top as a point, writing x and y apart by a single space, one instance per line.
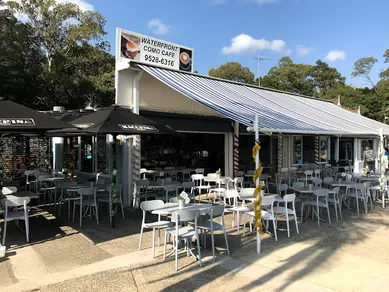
342 183
169 208
215 178
24 194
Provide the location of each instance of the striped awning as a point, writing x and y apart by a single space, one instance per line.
278 112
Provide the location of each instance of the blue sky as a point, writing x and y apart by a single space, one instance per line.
307 30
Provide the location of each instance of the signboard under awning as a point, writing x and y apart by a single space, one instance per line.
152 51
14 122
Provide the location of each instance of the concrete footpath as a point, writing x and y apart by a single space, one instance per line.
350 255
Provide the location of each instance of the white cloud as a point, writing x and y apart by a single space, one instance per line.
288 52
302 50
244 43
335 55
84 5
263 2
158 27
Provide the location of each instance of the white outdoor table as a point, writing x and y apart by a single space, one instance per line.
306 190
369 178
215 178
169 208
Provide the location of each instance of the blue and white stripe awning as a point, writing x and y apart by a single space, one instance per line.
278 112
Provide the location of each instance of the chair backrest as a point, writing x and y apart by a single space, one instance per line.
317 172
212 175
328 179
328 165
298 185
170 188
239 173
12 201
349 177
336 190
187 185
282 188
215 211
197 176
185 216
321 193
151 205
231 194
268 200
200 171
289 198
292 168
317 181
175 200
9 190
87 191
250 172
308 172
247 191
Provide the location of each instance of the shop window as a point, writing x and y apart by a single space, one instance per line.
298 149
346 149
365 143
323 150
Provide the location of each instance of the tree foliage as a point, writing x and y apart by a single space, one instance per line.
70 59
233 71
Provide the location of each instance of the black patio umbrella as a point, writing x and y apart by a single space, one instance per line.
17 118
117 120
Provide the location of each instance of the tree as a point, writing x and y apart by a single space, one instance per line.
362 67
77 69
385 74
291 77
233 71
21 60
326 77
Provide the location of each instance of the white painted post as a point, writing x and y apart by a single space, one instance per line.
256 130
382 167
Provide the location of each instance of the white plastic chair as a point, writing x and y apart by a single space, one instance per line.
211 226
308 176
30 183
188 187
317 182
237 183
335 200
239 173
317 173
247 194
183 232
186 175
233 195
267 214
221 186
327 181
359 192
320 202
16 209
200 171
87 199
108 199
170 190
64 196
285 211
198 180
46 188
149 206
282 189
142 191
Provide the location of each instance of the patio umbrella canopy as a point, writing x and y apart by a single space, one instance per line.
17 118
118 120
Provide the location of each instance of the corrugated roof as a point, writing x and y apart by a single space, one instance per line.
278 111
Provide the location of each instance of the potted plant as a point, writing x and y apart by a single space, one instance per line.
181 200
218 172
341 176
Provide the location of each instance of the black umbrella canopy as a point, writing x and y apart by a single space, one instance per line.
17 118
118 120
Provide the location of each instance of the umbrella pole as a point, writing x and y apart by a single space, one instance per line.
114 183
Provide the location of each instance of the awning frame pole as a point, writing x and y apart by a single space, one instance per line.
256 130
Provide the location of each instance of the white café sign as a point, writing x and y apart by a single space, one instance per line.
145 49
